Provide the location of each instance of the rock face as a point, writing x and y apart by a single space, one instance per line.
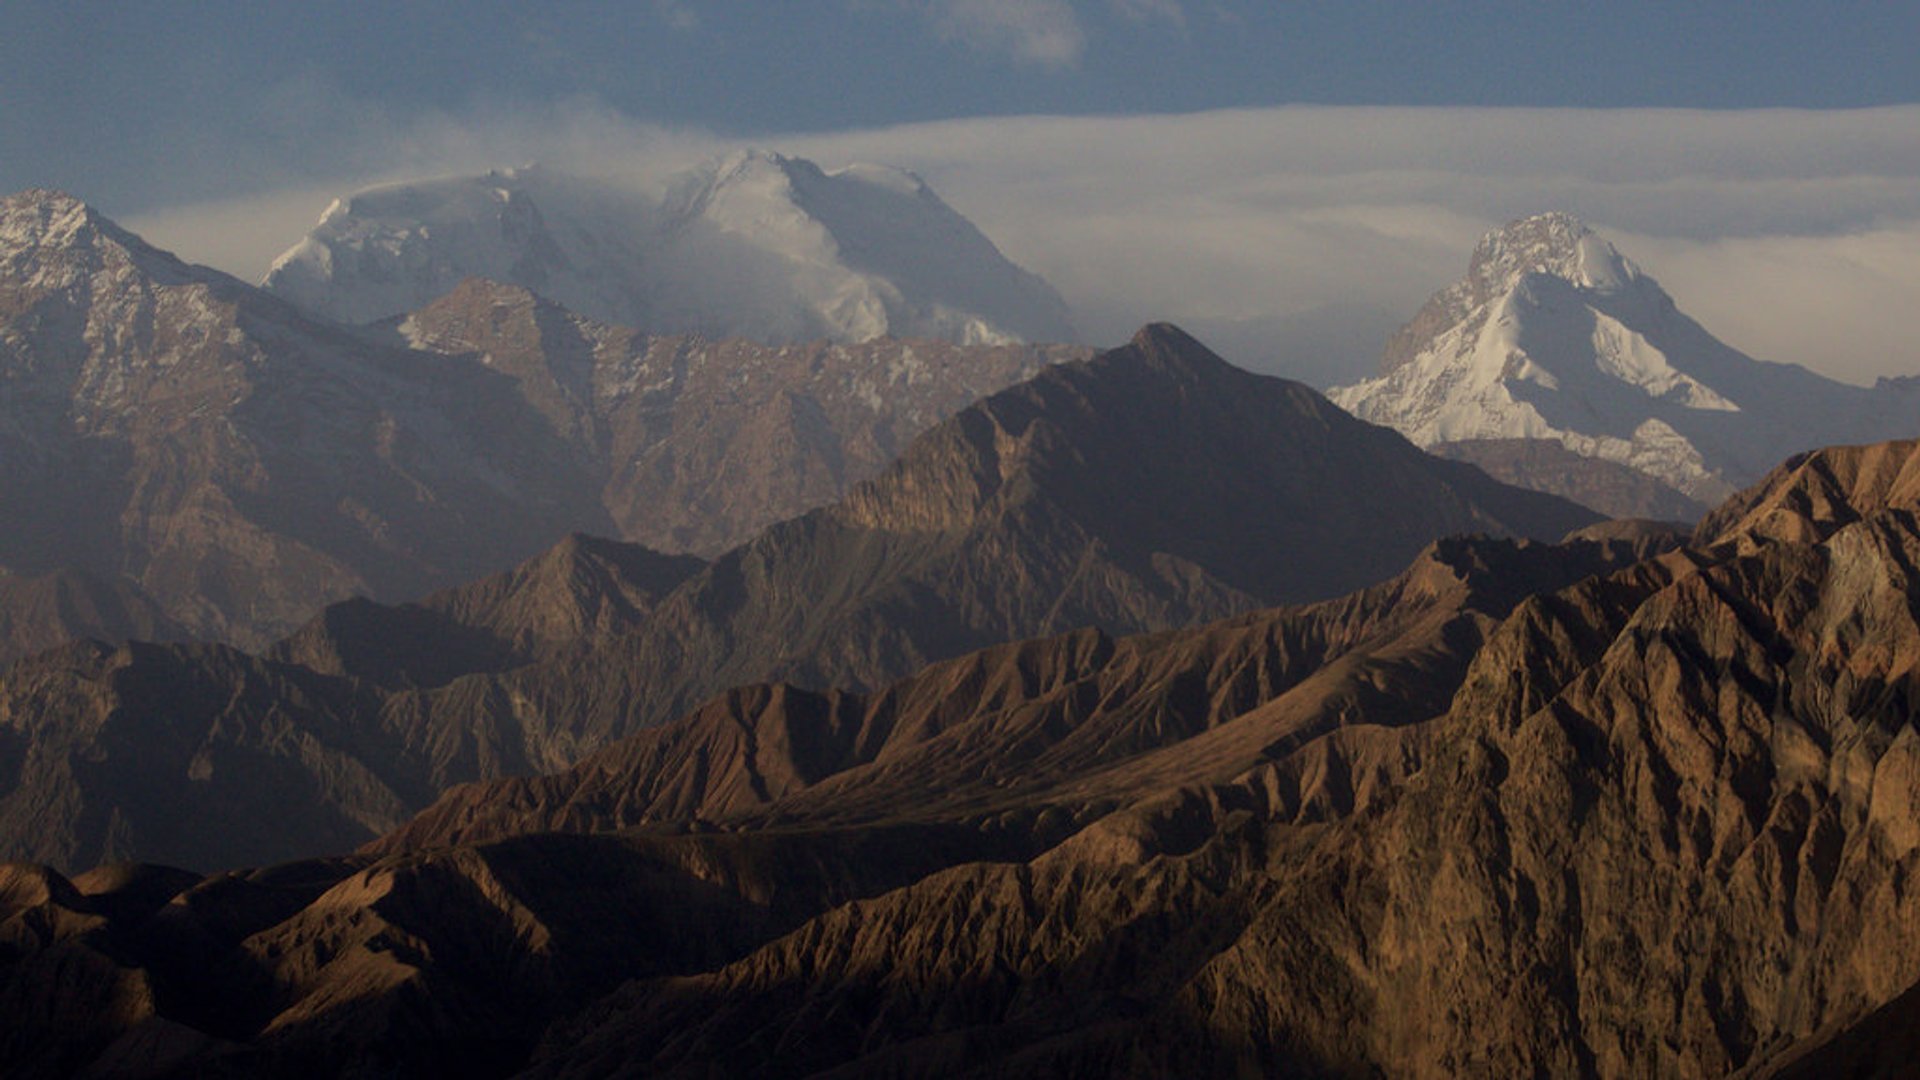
1608 807
430 961
177 432
38 613
236 461
203 756
1554 336
1151 487
1619 491
695 444
1052 733
1659 830
756 245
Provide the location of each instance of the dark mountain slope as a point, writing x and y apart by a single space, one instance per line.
1151 487
1661 830
38 613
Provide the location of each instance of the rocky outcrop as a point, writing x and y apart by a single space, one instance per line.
39 613
1613 489
697 444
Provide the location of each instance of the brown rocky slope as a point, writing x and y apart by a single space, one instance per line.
697 445
1525 809
1613 489
455 958
1662 829
1152 487
40 612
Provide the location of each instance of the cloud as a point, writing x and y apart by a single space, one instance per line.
1041 32
1279 232
676 14
1147 10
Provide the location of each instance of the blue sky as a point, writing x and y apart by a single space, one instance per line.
135 104
1288 178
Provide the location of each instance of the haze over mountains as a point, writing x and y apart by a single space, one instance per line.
1151 487
240 463
866 705
1553 335
755 245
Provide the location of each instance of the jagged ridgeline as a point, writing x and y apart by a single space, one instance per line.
1558 364
234 463
1151 487
1635 803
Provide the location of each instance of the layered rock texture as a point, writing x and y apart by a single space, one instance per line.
1632 804
40 612
694 444
1149 488
236 461
172 432
1554 336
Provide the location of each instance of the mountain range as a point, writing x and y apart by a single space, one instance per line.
459 657
1635 803
1148 488
238 464
1555 337
754 245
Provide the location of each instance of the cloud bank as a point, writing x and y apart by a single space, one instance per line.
1288 234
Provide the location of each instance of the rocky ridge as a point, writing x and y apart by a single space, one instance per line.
1659 829
316 962
1601 808
1149 488
192 438
698 444
238 462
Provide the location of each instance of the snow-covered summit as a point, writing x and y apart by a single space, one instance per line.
397 247
1553 334
754 245
47 234
1555 244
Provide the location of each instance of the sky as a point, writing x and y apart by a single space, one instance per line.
1290 180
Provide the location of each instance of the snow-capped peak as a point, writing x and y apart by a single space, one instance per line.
1555 244
40 222
42 218
755 244
1553 334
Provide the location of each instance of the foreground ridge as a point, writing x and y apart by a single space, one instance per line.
1612 806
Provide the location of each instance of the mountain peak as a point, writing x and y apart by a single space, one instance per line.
1165 346
1164 336
754 244
1553 335
51 239
44 217
1553 243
